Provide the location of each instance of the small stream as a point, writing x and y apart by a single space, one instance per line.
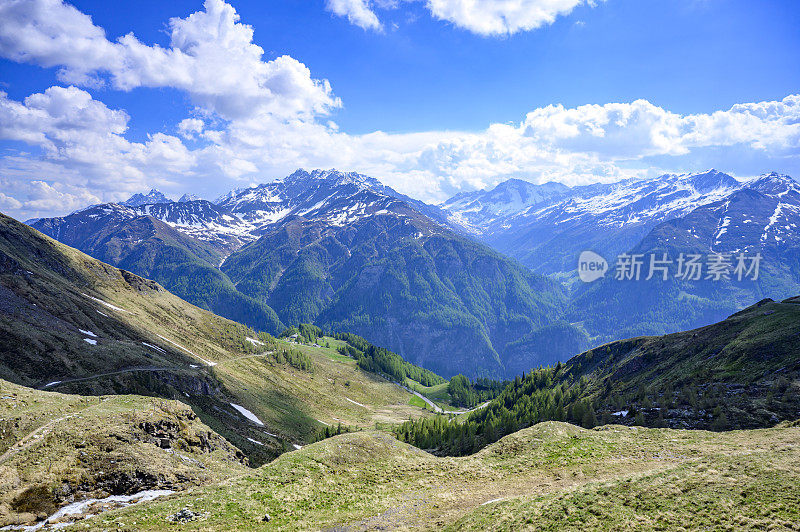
85 509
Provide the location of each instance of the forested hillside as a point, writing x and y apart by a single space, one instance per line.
739 373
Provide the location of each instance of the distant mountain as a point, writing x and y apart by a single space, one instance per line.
549 230
154 196
343 251
189 197
305 193
477 210
761 217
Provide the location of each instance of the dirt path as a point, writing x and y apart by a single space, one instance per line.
57 383
30 438
235 359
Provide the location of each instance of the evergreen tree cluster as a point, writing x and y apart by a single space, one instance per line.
331 431
542 395
306 333
466 394
380 360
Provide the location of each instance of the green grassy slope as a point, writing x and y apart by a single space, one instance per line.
550 476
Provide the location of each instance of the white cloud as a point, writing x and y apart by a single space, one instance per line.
500 17
84 148
84 153
211 56
188 128
358 12
484 17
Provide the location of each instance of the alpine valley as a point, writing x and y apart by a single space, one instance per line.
483 284
119 398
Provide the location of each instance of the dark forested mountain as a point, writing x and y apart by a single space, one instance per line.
345 252
739 373
367 262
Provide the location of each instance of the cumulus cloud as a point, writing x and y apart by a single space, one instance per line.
84 147
493 18
358 12
500 17
211 56
190 127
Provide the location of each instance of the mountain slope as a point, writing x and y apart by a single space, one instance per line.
743 372
759 219
153 248
71 323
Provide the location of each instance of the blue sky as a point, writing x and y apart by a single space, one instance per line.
449 99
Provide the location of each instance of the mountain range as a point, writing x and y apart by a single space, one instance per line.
489 275
345 252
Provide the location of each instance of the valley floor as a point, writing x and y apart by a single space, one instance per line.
550 476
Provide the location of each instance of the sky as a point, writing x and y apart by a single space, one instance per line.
99 100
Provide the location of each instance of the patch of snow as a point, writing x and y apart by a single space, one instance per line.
622 413
248 414
298 447
355 402
181 347
722 229
52 384
90 341
109 305
254 341
772 221
154 347
255 441
88 333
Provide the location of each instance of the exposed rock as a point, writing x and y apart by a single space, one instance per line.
184 516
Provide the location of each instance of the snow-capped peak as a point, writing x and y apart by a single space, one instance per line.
774 184
189 197
151 198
